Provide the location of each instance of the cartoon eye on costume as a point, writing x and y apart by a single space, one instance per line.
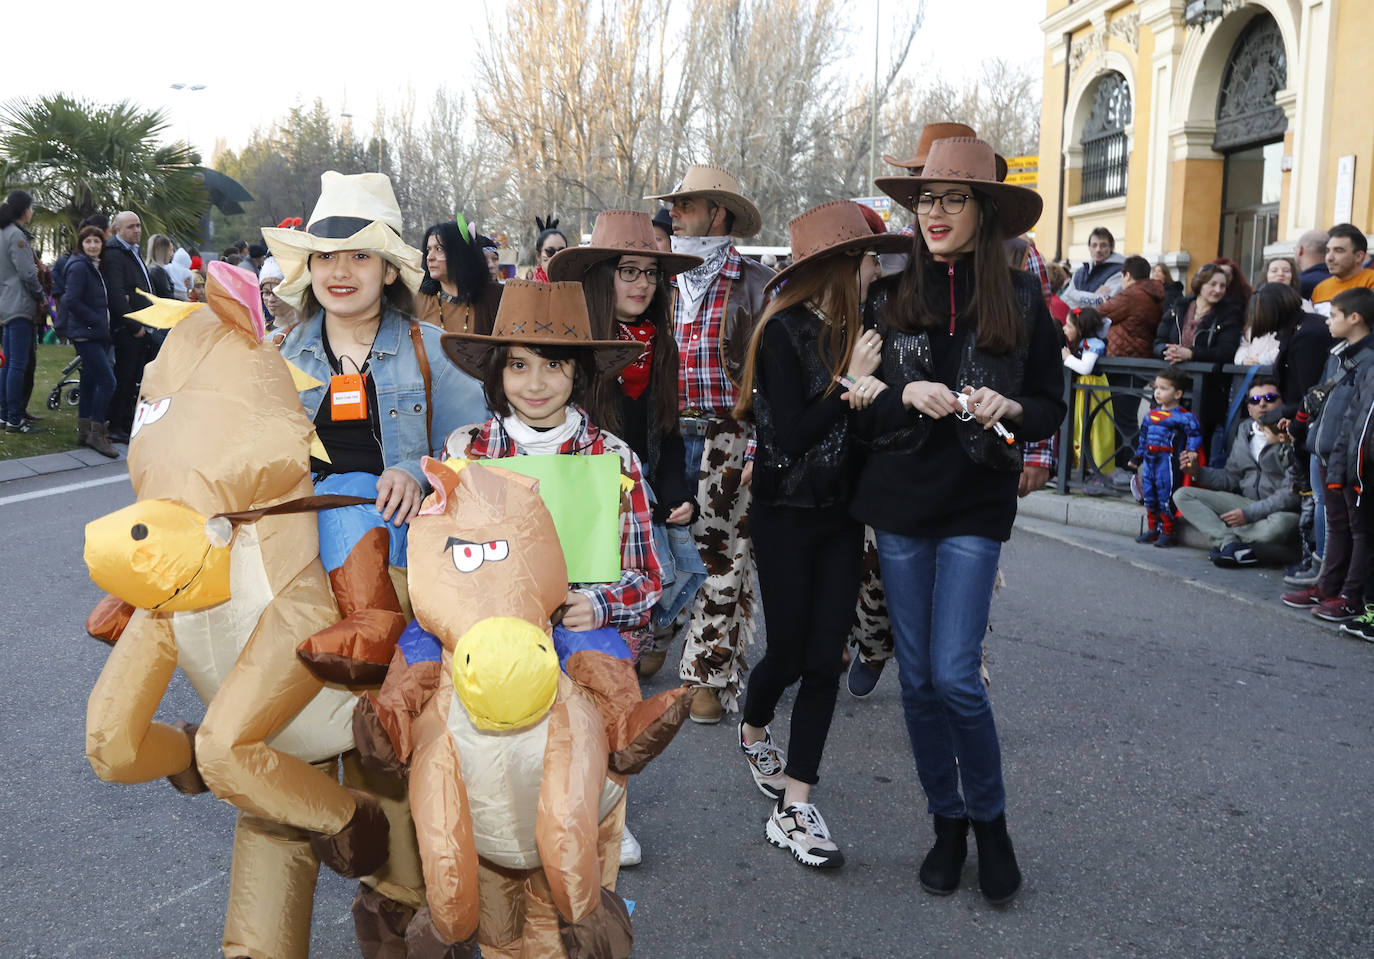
495 551
149 413
467 557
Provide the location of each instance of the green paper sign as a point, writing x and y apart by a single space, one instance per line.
583 496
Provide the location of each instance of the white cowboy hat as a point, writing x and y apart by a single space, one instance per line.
354 212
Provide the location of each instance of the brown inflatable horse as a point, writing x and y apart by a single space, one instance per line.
519 818
219 428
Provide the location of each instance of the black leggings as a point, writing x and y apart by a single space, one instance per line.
809 562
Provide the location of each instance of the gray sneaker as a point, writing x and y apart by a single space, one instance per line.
799 827
766 763
1304 573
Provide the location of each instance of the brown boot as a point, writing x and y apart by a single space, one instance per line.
99 440
83 431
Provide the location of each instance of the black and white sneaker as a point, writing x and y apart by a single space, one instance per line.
766 763
800 828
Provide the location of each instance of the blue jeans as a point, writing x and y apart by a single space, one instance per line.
97 380
18 345
1317 475
938 595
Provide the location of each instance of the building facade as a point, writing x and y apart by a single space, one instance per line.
1201 128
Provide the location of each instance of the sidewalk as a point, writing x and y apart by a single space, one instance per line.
49 463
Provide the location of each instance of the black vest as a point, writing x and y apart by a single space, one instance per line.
824 474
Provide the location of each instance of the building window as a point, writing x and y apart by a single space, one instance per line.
1104 140
1247 111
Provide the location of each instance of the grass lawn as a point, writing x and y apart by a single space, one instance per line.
59 426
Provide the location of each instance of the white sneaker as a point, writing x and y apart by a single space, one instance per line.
800 828
766 763
631 854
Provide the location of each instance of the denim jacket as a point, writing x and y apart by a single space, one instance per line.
457 397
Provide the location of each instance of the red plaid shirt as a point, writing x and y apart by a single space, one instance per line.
625 604
702 382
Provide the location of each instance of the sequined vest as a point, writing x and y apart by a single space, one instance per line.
824 474
907 357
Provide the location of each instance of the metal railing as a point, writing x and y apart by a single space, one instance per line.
1127 377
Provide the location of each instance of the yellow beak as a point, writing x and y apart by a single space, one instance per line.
159 556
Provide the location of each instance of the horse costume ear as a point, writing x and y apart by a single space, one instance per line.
444 478
233 295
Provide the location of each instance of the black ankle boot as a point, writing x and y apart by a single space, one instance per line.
943 865
998 875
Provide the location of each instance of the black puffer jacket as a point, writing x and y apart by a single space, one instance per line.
1218 334
84 313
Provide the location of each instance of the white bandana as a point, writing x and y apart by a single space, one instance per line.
533 442
692 285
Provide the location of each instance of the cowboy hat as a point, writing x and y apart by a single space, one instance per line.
354 212
929 134
970 162
539 314
618 233
719 186
833 229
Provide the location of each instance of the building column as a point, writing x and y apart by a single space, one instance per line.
1309 78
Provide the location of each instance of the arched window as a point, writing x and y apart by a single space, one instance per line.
1104 139
1257 69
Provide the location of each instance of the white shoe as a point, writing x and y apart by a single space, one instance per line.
630 852
799 828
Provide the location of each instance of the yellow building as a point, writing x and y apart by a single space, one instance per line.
1201 128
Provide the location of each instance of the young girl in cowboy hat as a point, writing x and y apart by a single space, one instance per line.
808 346
624 278
939 484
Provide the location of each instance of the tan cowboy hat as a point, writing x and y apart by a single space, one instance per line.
929 134
355 211
539 314
720 186
971 162
618 233
833 229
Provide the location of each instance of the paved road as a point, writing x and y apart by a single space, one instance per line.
1189 775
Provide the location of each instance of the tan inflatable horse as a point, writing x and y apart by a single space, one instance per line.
517 771
219 428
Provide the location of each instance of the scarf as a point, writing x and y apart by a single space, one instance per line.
535 442
634 379
693 284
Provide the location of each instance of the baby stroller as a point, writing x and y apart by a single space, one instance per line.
68 387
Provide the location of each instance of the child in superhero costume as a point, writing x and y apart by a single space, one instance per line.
1164 432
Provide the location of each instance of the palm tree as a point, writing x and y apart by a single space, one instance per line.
79 157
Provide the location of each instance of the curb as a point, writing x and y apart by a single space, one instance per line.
49 463
1107 514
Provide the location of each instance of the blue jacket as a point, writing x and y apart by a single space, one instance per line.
457 397
84 313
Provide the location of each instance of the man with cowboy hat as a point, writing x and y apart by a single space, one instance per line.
715 310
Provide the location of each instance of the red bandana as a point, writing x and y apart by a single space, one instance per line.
634 379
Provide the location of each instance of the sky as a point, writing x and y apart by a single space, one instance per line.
256 60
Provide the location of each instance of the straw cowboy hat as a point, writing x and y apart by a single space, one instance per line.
833 229
970 162
539 314
719 186
929 134
618 233
354 212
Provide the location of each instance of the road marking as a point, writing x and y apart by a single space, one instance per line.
57 490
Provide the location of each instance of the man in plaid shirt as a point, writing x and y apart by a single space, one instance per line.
715 310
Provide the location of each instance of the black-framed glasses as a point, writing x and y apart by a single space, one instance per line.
551 250
1264 397
631 273
951 203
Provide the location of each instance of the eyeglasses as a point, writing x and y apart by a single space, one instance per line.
1264 397
551 250
951 203
631 273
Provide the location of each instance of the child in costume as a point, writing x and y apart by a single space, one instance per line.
1164 432
1085 333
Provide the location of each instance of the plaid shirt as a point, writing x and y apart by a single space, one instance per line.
1035 266
625 604
703 385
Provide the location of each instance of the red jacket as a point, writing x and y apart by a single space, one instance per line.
1135 313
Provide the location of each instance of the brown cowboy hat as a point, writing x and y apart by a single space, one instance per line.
833 229
971 162
539 314
720 186
929 134
618 233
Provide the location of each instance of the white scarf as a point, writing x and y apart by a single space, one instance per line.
692 285
533 442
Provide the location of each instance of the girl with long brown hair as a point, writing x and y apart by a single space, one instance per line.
804 359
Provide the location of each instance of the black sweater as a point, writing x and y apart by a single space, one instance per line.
936 490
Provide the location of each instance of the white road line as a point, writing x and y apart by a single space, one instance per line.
57 490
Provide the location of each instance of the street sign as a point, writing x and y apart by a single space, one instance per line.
882 205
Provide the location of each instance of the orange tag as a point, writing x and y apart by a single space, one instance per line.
347 400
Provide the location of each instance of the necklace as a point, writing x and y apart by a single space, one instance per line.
467 312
